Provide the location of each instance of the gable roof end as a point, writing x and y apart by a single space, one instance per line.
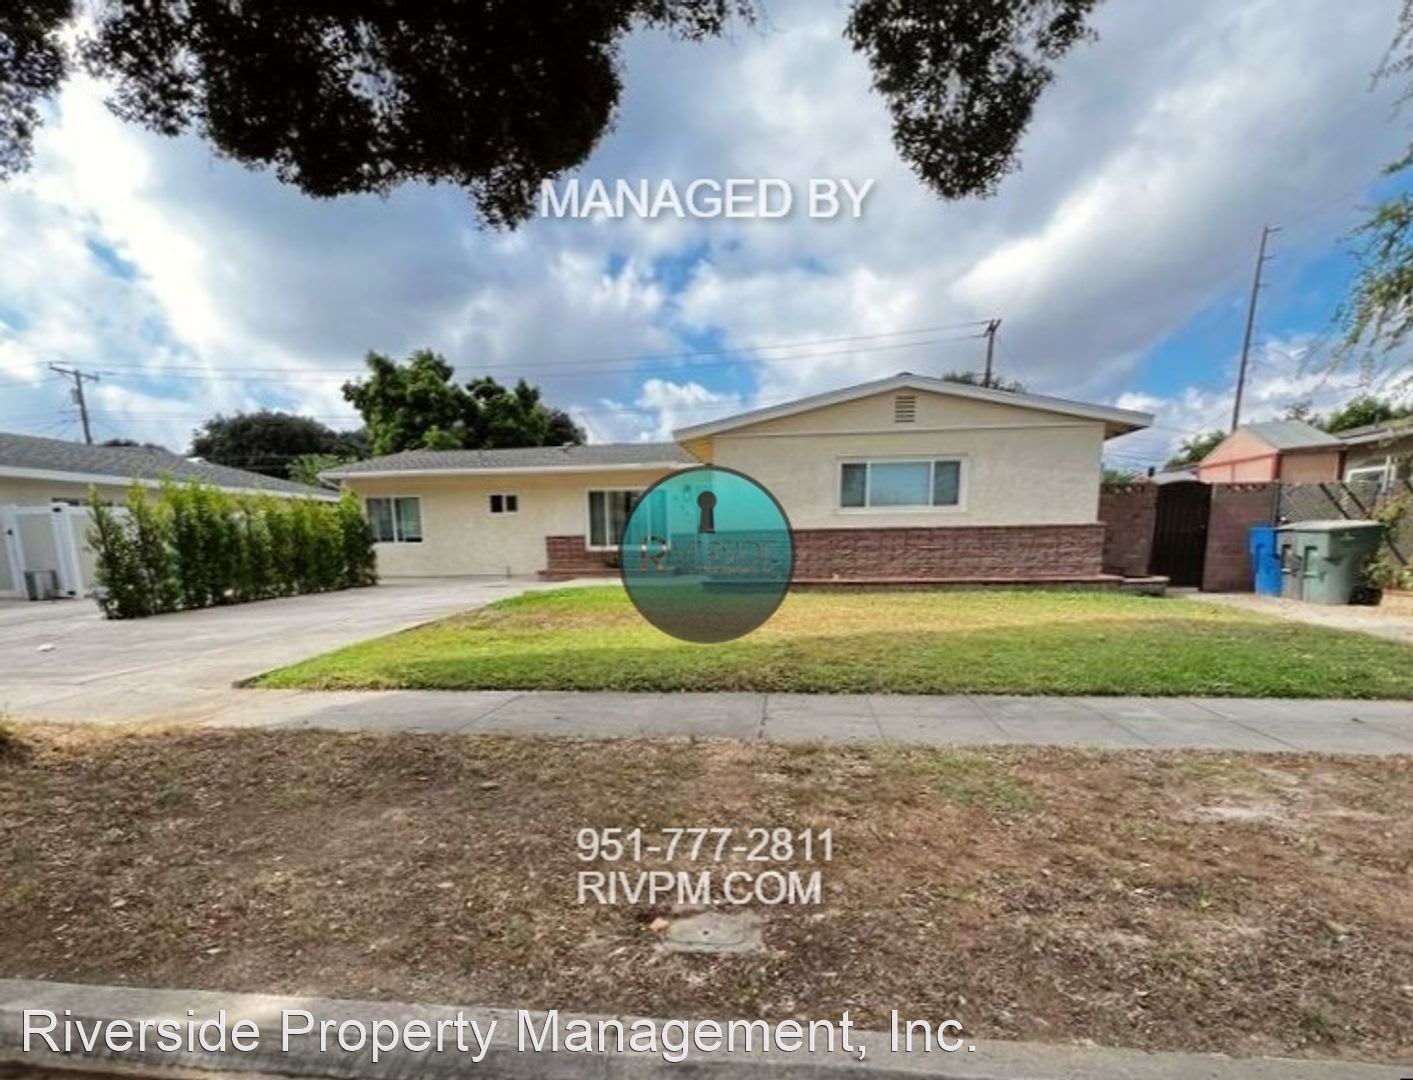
1116 421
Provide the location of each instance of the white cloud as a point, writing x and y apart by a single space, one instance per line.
1146 175
1282 374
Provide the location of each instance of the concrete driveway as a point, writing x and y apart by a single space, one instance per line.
64 661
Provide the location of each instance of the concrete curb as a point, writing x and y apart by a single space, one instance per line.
990 1061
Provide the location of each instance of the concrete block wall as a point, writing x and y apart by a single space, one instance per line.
1129 514
1235 508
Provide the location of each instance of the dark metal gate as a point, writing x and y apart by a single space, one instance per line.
1180 532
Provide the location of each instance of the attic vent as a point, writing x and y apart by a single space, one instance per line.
905 408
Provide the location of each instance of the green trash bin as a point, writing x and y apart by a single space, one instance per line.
1323 561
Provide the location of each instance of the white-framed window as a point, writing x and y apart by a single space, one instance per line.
395 519
505 502
1376 474
900 484
608 515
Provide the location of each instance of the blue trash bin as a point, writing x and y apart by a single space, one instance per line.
1265 560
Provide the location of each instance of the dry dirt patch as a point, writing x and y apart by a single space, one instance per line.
1037 894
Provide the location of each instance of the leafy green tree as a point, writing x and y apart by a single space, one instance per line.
493 96
269 442
1366 409
1377 315
1195 449
976 378
133 443
306 468
417 405
1116 477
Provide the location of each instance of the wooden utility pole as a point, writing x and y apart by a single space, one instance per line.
78 377
1261 258
991 328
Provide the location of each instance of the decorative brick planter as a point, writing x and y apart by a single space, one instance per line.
1009 553
568 557
1000 554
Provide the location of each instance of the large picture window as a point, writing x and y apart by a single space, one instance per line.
396 520
885 485
608 515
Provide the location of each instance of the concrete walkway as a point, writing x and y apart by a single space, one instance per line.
1365 620
64 661
1362 727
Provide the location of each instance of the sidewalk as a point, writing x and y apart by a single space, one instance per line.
1362 727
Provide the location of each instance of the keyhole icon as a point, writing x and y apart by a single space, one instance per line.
706 504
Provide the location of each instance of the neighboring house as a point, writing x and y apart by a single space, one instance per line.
908 477
43 482
1378 452
1289 450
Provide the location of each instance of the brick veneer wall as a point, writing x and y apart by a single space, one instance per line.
1129 514
567 556
993 552
1235 508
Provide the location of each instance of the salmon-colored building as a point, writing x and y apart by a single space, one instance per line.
1289 450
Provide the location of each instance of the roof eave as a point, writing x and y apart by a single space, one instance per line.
504 470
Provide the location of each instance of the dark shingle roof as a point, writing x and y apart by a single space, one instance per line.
1291 434
528 457
132 463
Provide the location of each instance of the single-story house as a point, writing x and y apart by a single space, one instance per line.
1289 450
1379 452
907 477
44 482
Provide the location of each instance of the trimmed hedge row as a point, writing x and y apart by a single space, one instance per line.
195 546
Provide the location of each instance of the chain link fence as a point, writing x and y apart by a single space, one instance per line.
1352 500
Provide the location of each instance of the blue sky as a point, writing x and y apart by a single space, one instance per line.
1118 257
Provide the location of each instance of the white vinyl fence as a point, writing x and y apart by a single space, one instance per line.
50 538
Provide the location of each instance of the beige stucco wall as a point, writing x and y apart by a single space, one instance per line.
1020 466
1311 466
462 537
41 492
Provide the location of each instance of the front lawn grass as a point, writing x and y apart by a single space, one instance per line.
1246 903
922 642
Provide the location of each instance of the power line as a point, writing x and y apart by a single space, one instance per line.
598 363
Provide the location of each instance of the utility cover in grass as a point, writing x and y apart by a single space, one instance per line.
706 554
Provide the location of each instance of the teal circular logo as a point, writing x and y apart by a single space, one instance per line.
707 554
